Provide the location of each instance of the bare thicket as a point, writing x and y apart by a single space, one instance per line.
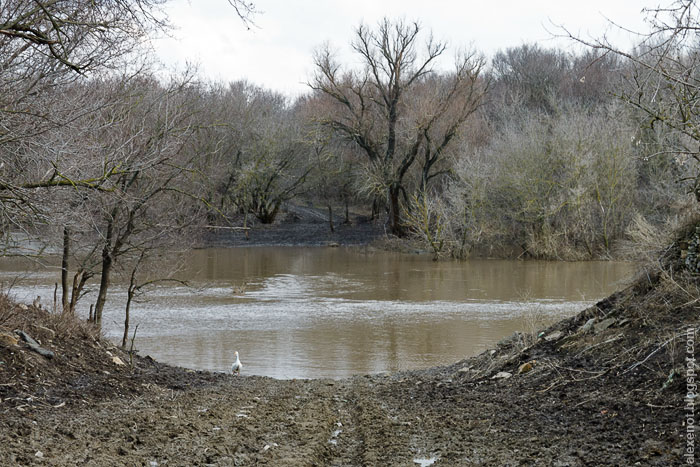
93 147
662 84
148 133
335 179
252 151
553 186
565 167
428 220
46 48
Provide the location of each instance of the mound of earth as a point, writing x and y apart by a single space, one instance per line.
605 387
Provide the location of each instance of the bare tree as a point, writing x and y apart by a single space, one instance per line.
46 47
531 75
253 154
153 127
428 222
663 82
373 108
78 35
143 278
331 180
274 173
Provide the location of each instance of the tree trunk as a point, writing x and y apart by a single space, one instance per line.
106 271
347 211
64 269
79 280
330 218
75 292
394 213
129 298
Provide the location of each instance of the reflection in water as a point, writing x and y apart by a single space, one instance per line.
312 312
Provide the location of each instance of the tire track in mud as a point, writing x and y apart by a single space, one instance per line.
304 430
286 425
346 443
370 420
372 433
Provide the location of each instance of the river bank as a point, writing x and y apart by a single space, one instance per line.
603 387
298 226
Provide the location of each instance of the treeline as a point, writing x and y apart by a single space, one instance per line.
557 165
532 154
536 152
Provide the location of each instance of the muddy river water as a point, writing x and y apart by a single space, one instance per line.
334 312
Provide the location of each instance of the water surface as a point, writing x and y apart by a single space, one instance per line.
334 312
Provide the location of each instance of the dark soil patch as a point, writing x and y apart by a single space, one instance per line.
299 226
296 234
85 368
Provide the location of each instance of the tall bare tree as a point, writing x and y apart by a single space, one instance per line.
148 200
375 107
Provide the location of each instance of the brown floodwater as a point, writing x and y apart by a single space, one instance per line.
334 312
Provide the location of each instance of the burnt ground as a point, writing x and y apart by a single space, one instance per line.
605 387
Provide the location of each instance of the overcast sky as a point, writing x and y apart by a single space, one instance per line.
277 53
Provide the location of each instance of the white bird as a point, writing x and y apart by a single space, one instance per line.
236 367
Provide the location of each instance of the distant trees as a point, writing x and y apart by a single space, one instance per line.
332 179
536 78
531 76
396 109
273 168
553 177
549 186
539 172
663 85
253 151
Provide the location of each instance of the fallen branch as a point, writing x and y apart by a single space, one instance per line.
226 228
651 354
598 344
34 345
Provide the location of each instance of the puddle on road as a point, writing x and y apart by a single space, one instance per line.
425 461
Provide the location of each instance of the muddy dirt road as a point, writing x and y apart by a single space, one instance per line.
396 420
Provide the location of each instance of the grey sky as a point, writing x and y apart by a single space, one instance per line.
278 53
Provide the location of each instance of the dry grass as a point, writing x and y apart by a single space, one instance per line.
7 311
644 240
19 316
536 319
